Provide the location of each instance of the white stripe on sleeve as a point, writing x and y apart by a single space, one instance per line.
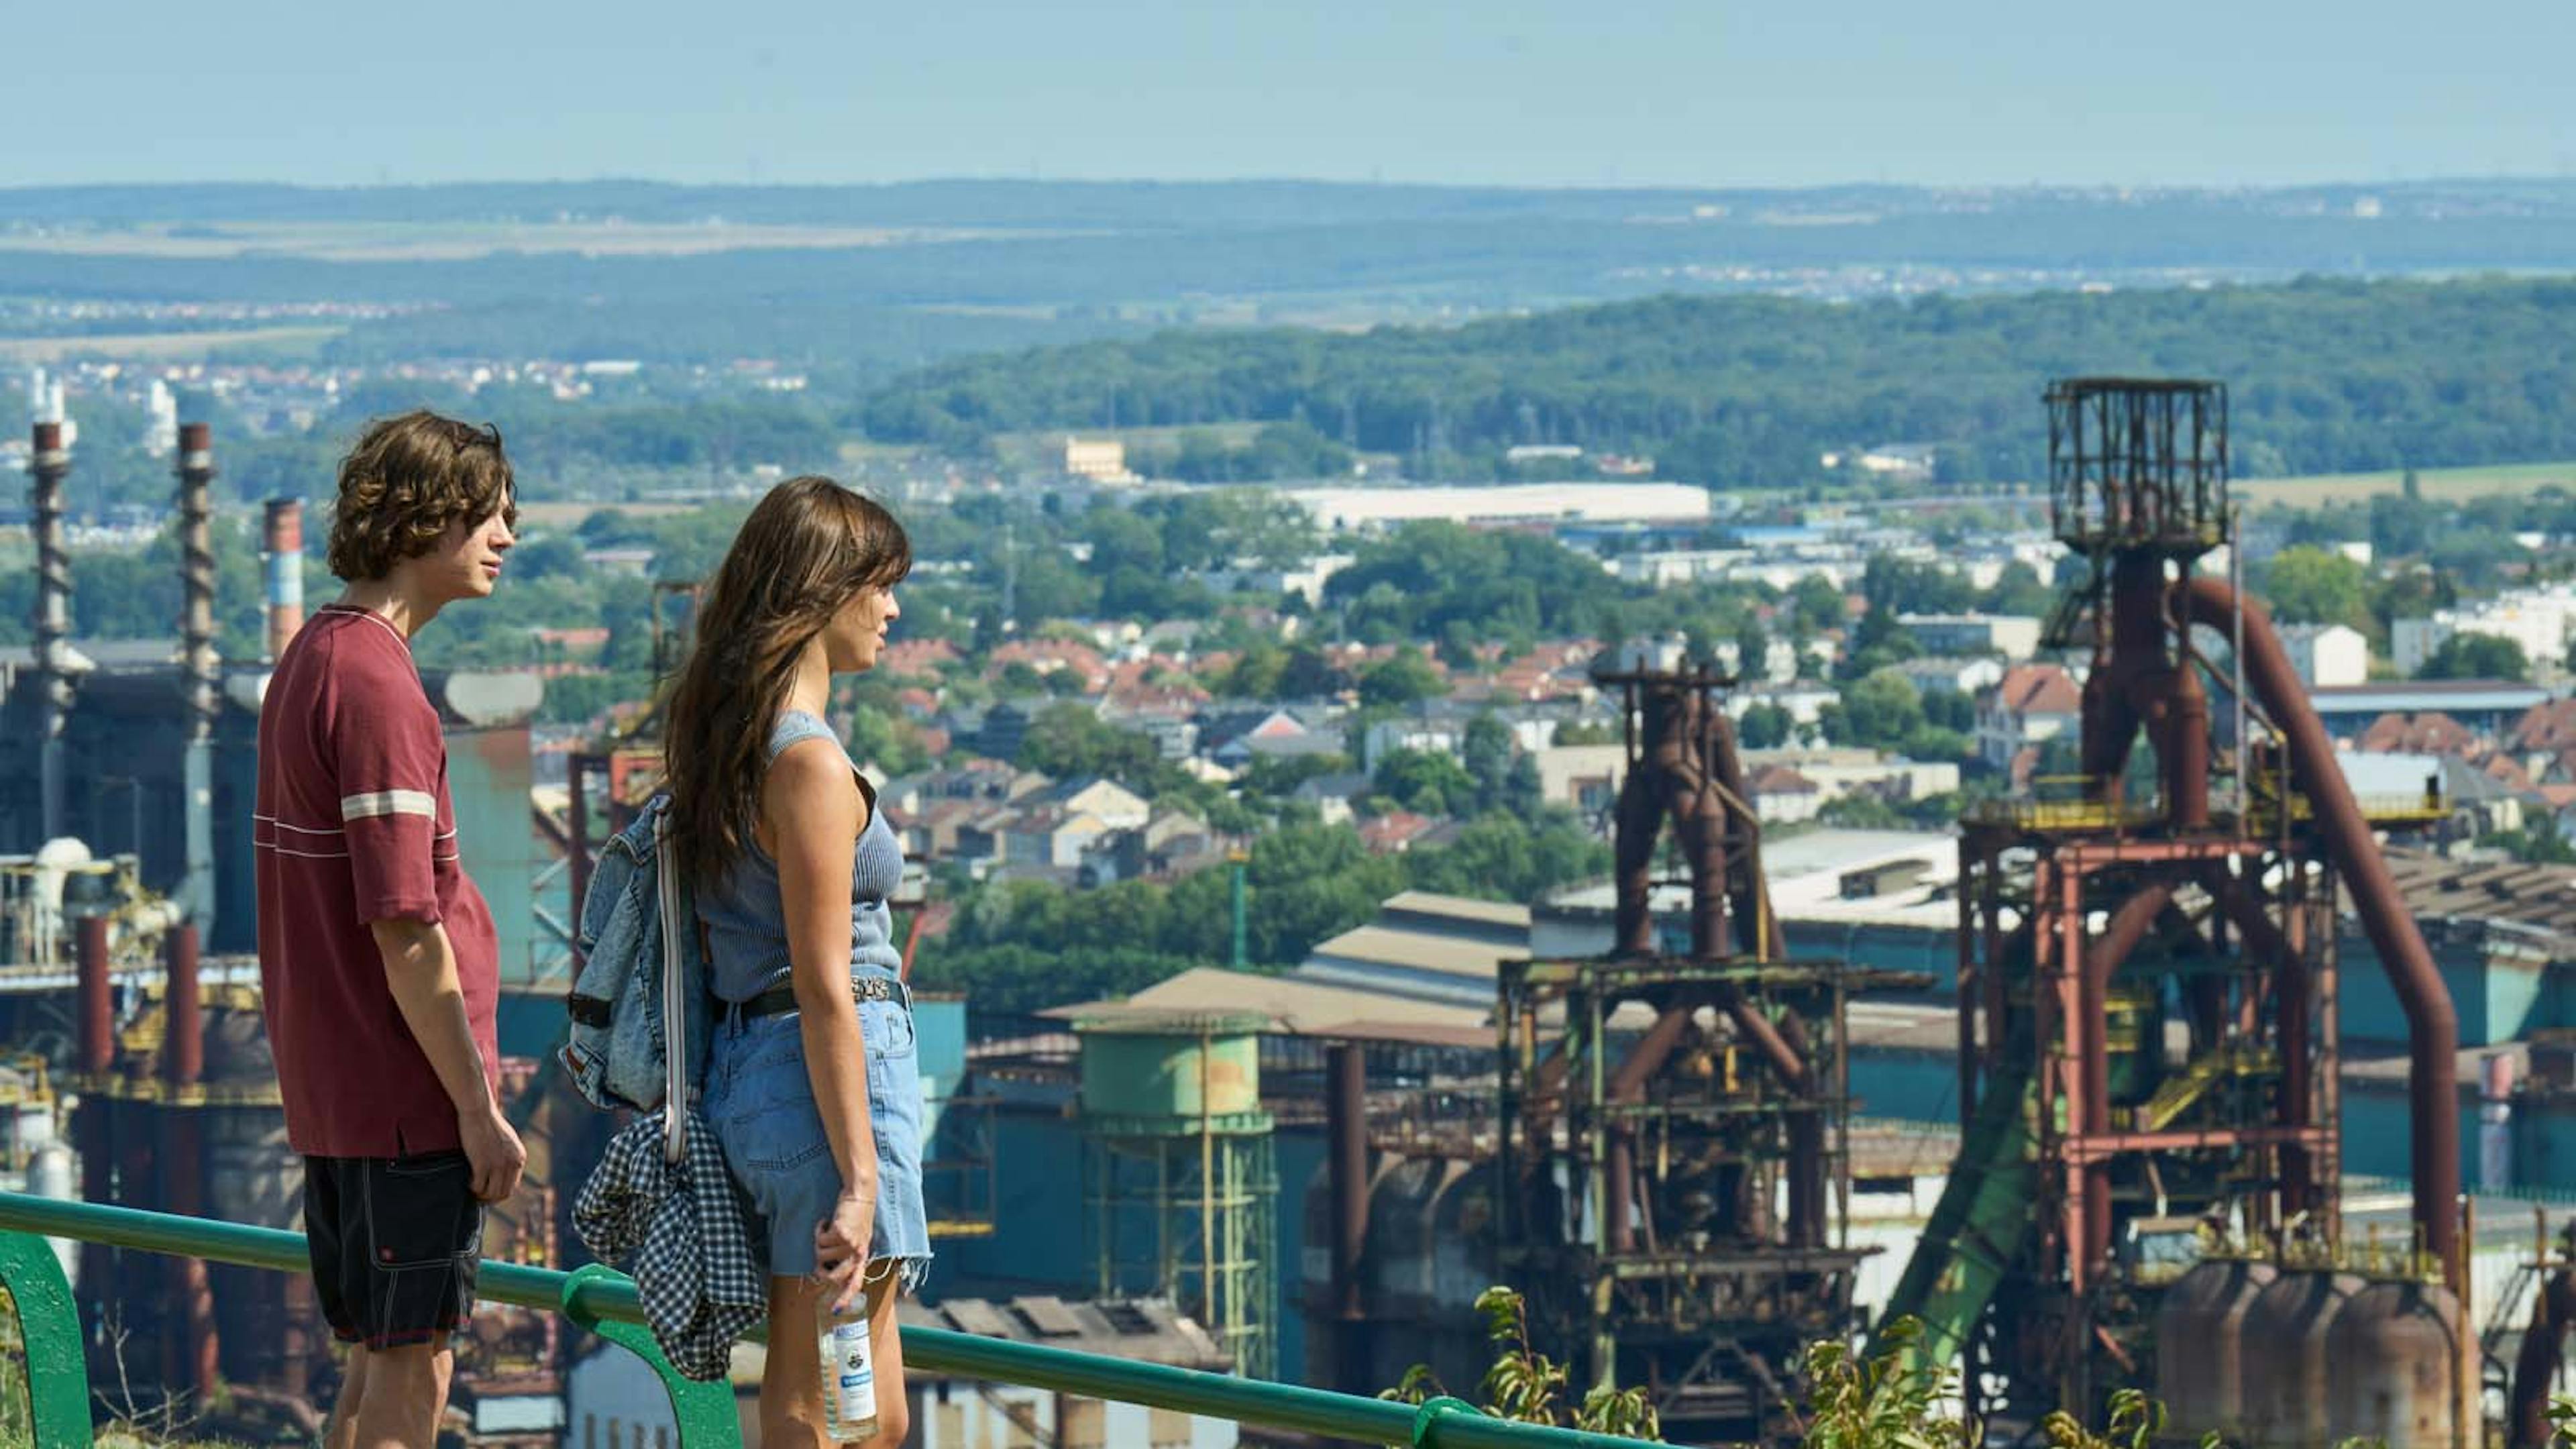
388 802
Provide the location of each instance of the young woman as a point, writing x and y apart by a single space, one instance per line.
811 1083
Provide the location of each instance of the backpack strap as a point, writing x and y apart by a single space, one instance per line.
675 1034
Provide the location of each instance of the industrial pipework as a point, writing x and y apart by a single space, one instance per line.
2147 975
1638 1172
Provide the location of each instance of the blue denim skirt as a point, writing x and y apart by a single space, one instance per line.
761 1101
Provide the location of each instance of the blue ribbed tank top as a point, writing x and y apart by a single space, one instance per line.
746 916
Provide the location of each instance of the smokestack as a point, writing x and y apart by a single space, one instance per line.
202 667
51 464
284 559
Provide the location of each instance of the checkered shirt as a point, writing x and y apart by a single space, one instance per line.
693 1263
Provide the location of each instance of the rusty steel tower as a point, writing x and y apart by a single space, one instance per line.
2147 967
1674 1114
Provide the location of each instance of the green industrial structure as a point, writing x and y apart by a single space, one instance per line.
1180 1179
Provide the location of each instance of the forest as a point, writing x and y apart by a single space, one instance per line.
2325 376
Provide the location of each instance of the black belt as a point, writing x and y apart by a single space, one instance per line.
783 997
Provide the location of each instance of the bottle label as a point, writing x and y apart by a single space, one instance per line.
853 1377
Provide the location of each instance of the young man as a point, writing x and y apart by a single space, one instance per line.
378 960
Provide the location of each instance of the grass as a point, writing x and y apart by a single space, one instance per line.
2451 485
467 241
164 345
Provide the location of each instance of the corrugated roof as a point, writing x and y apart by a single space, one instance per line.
1465 908
1420 951
1298 1005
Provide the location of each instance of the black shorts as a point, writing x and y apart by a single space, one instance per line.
395 1244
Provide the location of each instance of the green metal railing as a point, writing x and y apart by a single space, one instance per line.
604 1301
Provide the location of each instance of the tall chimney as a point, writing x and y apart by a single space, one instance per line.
52 463
284 557
201 666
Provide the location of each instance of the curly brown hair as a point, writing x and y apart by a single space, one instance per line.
408 479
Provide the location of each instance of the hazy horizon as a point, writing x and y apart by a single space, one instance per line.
1539 94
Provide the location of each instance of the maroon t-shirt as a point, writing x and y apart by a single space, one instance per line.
354 825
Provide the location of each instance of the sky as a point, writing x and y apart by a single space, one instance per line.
1499 92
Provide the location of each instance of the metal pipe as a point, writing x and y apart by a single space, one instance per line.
49 465
283 562
202 666
1346 1130
184 1063
597 1293
97 1006
2544 1345
2433 1032
2128 925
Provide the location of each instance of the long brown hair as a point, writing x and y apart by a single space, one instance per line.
806 549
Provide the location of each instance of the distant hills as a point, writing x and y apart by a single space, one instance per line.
877 278
2326 376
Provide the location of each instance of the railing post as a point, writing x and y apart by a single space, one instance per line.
49 1325
706 1413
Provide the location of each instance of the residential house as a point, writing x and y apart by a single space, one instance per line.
1439 726
1171 844
2012 636
1840 772
2329 654
1050 835
1112 804
1583 778
1232 736
1395 831
2541 621
1331 795
915 658
2031 705
1778 664
1935 674
1782 796
2429 733
1305 579
1804 702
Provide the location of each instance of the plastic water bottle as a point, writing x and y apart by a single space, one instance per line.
849 1374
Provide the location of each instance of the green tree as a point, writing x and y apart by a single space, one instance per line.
1486 754
1425 781
1402 678
1766 726
2477 656
1068 741
2312 586
1752 649
1879 711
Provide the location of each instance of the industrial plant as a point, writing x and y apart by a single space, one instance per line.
2077 1090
